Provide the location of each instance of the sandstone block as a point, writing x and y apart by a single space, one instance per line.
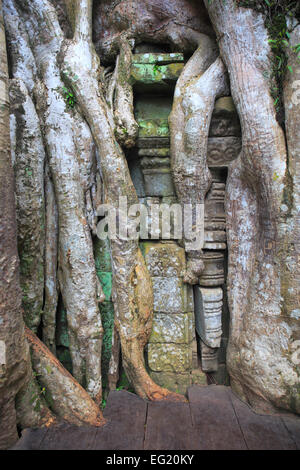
225 120
157 58
171 295
198 377
164 260
177 328
172 381
213 274
158 182
222 150
155 77
209 358
169 357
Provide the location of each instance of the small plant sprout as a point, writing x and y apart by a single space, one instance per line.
69 97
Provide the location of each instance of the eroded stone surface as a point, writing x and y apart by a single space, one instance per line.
214 216
173 381
223 150
164 260
155 152
177 328
150 77
169 357
158 182
171 295
209 358
198 377
208 314
213 274
225 121
157 58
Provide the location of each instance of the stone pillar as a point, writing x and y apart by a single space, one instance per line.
224 145
208 319
169 351
172 352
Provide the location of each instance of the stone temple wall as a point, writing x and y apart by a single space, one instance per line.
190 327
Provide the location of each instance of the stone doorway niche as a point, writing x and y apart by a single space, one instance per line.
190 328
177 355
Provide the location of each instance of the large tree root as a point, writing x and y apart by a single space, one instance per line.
29 163
66 398
133 315
259 355
77 275
200 84
31 407
126 127
291 275
51 245
14 363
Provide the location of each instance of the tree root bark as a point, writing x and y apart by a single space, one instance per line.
291 276
114 363
29 156
66 398
126 127
77 275
133 313
51 245
260 327
201 82
31 407
14 356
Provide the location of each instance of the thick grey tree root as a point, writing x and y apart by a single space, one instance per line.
258 241
29 160
202 81
291 275
16 369
31 407
77 275
51 246
66 398
126 127
134 310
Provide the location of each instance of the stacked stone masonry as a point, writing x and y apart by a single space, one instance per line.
179 352
169 350
190 329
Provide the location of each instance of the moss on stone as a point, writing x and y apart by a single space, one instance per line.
157 58
154 128
107 317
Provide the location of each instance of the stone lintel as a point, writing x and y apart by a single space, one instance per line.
157 58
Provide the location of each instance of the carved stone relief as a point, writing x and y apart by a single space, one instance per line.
175 357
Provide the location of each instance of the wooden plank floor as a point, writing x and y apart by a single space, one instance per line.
212 419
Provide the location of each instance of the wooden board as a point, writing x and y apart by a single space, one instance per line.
262 432
126 416
169 427
31 439
214 419
69 437
293 426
